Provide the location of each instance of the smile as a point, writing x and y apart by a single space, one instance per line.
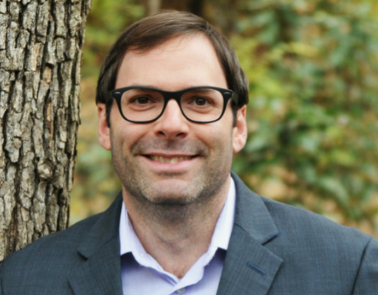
169 160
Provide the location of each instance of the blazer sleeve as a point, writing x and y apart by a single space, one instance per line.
1 280
367 278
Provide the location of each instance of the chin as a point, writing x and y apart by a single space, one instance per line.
170 199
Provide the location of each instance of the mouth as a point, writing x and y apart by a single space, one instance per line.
170 160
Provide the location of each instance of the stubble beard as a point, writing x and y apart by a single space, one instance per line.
170 203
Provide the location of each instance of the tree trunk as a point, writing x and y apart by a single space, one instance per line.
152 6
193 6
40 57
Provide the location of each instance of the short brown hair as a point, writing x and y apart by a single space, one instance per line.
155 30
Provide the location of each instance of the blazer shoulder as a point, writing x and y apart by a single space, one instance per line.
296 221
61 244
43 267
53 246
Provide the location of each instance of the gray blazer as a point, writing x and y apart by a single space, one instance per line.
274 249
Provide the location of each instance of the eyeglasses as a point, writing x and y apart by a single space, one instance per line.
203 104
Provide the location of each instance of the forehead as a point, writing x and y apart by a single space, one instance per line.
178 63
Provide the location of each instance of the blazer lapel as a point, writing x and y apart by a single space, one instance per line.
99 273
250 267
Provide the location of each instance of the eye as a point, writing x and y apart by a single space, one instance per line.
141 100
200 101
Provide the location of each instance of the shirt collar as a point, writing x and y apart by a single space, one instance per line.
129 241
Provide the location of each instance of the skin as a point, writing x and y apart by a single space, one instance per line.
173 207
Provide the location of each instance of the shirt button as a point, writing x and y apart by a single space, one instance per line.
180 291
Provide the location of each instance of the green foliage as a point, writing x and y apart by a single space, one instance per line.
312 67
105 22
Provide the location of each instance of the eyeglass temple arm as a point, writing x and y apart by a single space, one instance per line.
235 97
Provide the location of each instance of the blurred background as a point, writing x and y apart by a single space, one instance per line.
312 66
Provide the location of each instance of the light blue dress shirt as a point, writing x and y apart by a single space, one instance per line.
142 274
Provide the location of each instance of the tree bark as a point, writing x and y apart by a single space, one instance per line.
40 57
152 6
193 6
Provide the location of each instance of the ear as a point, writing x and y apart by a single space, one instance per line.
103 128
240 132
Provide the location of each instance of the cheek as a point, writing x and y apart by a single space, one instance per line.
126 135
219 140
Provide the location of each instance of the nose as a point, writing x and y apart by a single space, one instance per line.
172 124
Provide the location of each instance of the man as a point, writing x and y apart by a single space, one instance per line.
171 107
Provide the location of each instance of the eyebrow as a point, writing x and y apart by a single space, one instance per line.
153 86
140 85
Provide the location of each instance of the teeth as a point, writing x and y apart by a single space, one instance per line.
169 160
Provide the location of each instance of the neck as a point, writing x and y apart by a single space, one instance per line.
176 236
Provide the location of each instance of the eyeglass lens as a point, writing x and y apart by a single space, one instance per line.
201 104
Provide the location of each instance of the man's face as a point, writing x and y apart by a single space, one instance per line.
172 160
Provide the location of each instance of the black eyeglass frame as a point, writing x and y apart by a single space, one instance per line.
176 95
